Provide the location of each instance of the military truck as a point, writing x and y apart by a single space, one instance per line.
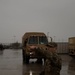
71 46
30 42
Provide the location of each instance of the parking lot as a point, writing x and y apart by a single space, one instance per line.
11 64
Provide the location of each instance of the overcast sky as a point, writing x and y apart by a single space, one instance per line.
19 16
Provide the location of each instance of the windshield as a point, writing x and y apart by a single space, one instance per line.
43 40
38 40
33 40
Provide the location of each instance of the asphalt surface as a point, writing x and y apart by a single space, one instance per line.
11 64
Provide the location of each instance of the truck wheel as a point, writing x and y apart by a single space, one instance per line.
25 57
39 60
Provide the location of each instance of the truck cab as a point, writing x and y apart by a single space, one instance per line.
31 41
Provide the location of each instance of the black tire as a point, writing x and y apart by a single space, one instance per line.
25 57
39 60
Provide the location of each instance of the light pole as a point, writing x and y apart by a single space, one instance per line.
48 36
14 38
54 38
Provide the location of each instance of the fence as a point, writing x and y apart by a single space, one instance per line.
62 47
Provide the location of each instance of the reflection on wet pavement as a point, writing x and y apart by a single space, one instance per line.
11 64
32 69
67 62
71 67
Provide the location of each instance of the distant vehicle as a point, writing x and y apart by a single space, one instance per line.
30 41
1 47
71 46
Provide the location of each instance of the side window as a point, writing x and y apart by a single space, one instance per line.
43 40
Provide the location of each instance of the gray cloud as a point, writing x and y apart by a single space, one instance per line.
19 16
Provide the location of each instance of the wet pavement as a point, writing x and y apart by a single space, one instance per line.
11 64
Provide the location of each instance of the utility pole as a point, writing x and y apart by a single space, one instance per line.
47 34
54 38
14 38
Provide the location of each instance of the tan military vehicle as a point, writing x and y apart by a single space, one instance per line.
71 46
31 41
